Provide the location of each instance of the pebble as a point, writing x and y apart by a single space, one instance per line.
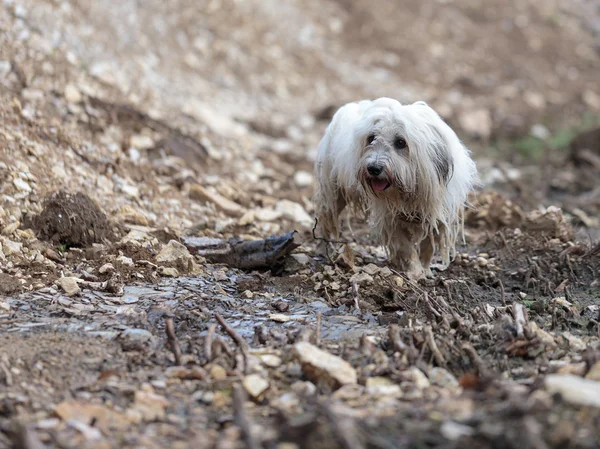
255 385
199 193
106 268
69 285
169 272
442 378
72 94
294 212
279 318
125 261
22 185
270 360
10 248
362 278
416 376
174 253
482 262
217 372
321 366
303 179
135 335
141 142
574 389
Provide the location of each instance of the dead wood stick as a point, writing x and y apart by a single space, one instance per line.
437 355
502 293
355 295
482 371
241 418
318 330
519 316
239 341
394 336
251 254
430 306
208 342
170 328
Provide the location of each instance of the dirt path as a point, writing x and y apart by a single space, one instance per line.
181 120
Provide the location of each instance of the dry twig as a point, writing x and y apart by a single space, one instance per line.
208 342
318 330
170 329
239 341
437 355
355 295
241 418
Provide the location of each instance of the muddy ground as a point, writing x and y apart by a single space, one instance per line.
129 130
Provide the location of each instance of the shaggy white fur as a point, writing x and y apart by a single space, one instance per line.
402 167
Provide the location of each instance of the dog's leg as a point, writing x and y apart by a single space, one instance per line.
328 218
426 254
404 255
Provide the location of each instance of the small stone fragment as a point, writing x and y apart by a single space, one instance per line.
279 318
175 254
199 193
321 366
106 268
574 389
255 385
217 372
69 285
442 378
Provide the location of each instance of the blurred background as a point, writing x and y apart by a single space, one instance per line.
253 83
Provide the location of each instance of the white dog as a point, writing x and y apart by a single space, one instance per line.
404 168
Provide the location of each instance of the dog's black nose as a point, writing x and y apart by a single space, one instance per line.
374 169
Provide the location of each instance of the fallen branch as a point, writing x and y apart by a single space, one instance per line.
394 336
241 418
267 253
475 360
208 342
239 341
318 330
437 355
170 329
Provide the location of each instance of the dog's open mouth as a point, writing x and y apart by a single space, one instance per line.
379 185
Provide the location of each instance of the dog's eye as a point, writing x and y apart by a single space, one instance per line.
371 139
399 143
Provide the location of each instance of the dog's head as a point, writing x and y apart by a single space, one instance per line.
404 150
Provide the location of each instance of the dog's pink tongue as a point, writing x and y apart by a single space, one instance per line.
378 184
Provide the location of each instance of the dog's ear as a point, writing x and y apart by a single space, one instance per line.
441 139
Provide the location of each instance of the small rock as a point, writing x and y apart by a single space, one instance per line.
399 281
128 214
141 142
321 366
544 336
69 285
137 336
199 193
106 268
11 248
220 276
302 259
294 212
270 360
574 389
255 385
10 228
125 261
454 431
371 269
72 94
303 179
482 262
362 278
217 372
169 272
575 343
442 378
174 253
416 376
279 318
22 185
248 294
266 214
147 405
